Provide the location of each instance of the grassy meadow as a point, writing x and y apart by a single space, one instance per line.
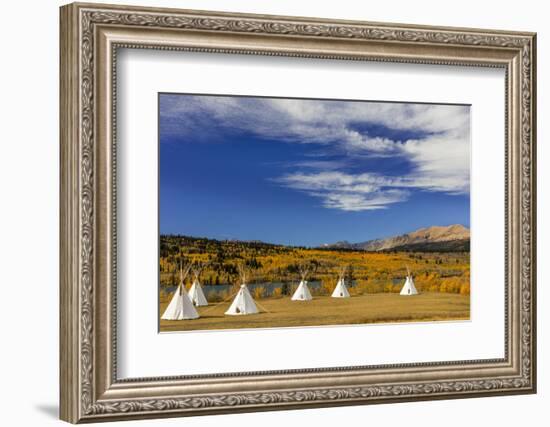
374 280
324 310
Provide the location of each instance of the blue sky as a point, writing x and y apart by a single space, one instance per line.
308 172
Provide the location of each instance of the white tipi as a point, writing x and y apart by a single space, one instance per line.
341 290
243 303
408 287
181 307
302 292
195 293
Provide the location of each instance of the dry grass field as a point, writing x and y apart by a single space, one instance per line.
324 310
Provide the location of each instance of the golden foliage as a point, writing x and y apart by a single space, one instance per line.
370 273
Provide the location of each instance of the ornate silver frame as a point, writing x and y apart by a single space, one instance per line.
90 36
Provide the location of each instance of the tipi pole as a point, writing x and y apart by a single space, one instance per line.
221 302
262 307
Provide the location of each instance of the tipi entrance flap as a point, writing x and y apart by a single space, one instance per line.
302 293
408 287
341 290
243 303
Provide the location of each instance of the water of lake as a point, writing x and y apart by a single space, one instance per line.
269 287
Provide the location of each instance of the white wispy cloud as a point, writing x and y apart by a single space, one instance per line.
363 202
356 192
439 159
324 165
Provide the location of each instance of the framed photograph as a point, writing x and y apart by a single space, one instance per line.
262 201
265 212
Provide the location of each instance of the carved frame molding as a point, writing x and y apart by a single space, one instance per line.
90 37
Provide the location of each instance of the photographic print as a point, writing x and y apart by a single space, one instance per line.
265 210
287 212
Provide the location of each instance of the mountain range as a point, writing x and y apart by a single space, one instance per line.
451 238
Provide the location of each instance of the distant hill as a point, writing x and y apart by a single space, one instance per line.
452 238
